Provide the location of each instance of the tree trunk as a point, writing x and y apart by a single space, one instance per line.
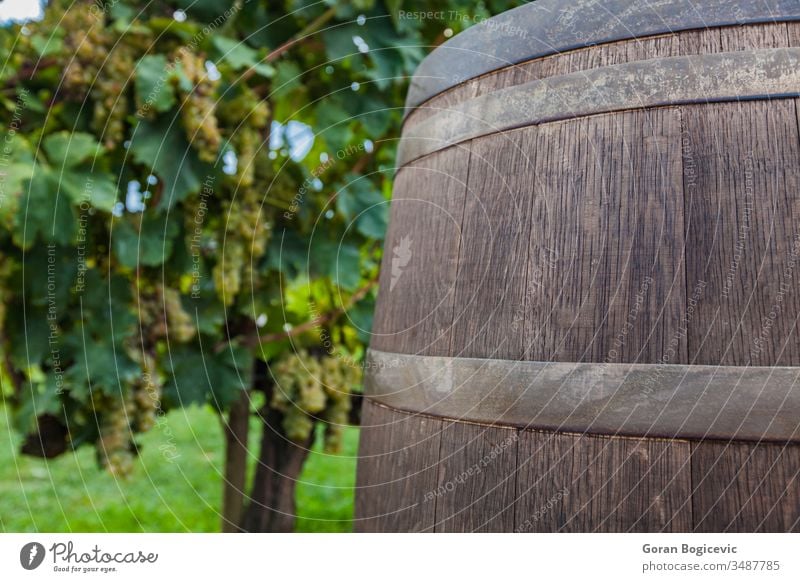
272 505
236 434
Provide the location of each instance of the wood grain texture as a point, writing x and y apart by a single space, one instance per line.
414 310
605 273
573 483
743 38
793 29
428 475
398 465
742 232
744 487
477 474
490 285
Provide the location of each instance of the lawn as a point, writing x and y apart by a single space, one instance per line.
70 494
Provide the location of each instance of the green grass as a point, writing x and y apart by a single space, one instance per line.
70 493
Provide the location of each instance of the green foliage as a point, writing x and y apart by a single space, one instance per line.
184 193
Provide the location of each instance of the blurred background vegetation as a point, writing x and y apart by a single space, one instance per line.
70 494
194 195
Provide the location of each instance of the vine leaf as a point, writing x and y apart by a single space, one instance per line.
160 145
154 89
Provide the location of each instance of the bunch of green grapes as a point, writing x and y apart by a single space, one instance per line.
298 393
85 47
148 306
246 228
227 273
245 119
199 105
96 63
180 325
260 216
111 102
115 447
246 231
340 377
147 396
309 389
256 223
146 393
161 314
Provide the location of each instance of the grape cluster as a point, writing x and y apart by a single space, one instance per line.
180 326
85 48
246 233
146 396
341 378
246 227
132 411
247 117
95 60
111 102
115 450
199 105
309 389
161 314
227 273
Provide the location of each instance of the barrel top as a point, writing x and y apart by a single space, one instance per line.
547 27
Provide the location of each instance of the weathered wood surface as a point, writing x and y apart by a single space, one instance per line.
742 227
695 42
424 474
477 478
490 285
415 310
605 266
398 468
744 487
569 483
670 235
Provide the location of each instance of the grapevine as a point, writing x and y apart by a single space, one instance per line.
196 233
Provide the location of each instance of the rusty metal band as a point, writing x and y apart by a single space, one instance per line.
735 76
548 27
643 400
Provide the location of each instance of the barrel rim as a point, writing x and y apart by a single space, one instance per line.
548 27
759 74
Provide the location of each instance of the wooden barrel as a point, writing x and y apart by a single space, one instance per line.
589 303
